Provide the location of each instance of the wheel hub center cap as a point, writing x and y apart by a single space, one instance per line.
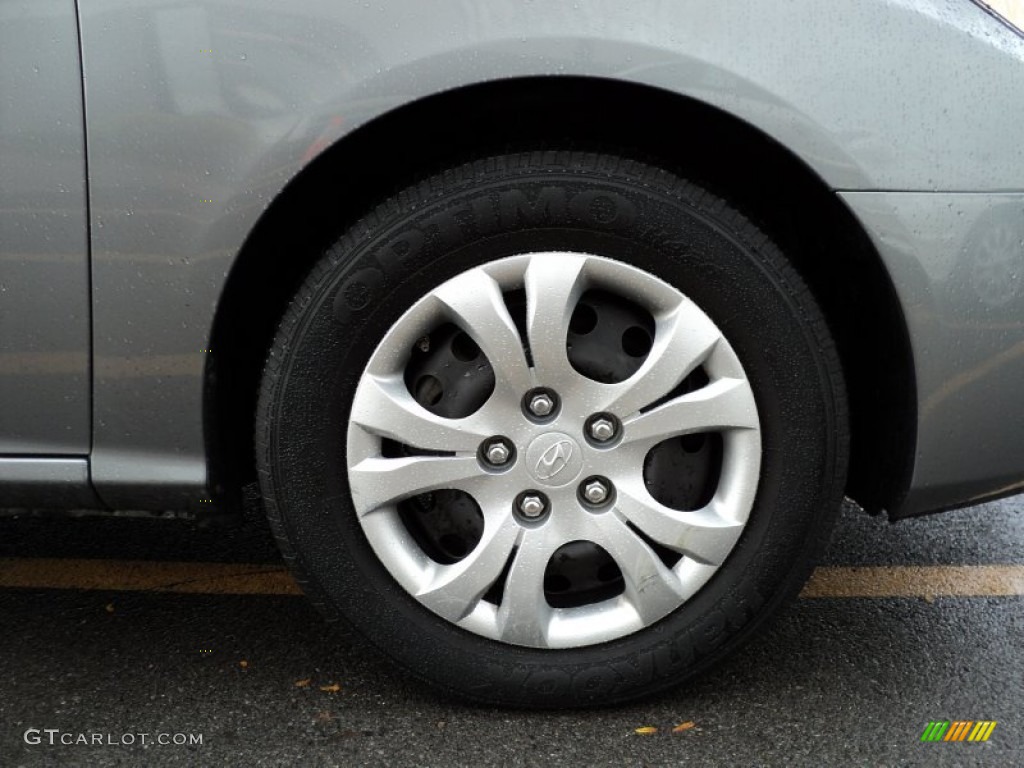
554 459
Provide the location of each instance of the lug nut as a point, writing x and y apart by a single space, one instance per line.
498 453
595 491
541 404
602 429
532 505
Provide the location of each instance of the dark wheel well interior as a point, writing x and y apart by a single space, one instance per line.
729 157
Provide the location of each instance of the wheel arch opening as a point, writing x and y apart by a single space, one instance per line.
727 156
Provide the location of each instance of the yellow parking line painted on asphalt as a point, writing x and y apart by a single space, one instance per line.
927 581
147 576
253 579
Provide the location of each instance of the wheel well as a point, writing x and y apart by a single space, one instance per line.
727 156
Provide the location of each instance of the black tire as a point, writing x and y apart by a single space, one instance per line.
548 201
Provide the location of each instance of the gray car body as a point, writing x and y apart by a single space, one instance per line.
127 202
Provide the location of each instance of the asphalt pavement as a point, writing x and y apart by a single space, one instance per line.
90 651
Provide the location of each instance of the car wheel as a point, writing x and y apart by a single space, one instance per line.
552 429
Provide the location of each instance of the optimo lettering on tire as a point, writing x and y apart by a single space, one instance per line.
552 429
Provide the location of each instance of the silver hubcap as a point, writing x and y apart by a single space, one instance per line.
587 472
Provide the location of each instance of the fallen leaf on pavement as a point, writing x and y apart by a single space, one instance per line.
332 688
684 726
243 664
303 683
646 730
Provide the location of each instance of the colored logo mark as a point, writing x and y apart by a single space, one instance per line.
958 730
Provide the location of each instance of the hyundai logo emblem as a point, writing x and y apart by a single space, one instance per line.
553 460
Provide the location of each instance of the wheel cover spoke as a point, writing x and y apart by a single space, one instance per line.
723 404
384 407
379 481
524 616
652 589
553 287
682 341
474 301
453 591
703 534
